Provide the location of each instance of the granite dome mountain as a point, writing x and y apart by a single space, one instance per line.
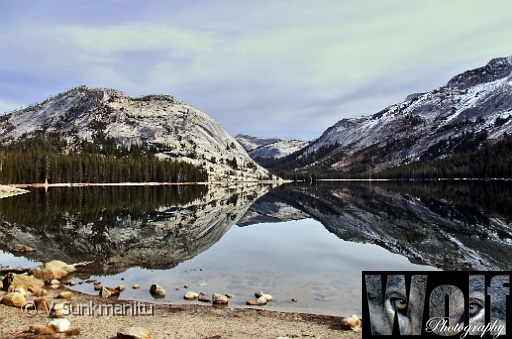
159 124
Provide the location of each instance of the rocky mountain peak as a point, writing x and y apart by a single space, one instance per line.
474 107
495 69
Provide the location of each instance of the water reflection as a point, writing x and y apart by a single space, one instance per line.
296 241
447 225
120 227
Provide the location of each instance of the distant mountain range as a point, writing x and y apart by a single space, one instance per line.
471 109
160 124
264 148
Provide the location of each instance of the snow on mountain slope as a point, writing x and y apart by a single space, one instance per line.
162 123
476 102
269 147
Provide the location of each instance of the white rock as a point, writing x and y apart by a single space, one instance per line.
134 332
267 297
21 289
261 300
60 325
351 323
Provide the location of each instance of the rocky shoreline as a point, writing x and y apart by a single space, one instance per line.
40 303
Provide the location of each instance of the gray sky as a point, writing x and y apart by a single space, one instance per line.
277 68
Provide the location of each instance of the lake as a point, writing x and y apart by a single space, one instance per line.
295 241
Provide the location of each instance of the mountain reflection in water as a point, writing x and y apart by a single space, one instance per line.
277 246
447 225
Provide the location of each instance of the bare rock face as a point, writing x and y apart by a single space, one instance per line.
163 123
54 269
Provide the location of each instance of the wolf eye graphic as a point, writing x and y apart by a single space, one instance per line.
400 304
475 309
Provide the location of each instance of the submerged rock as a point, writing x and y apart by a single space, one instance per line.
204 299
157 291
219 299
266 296
190 295
261 300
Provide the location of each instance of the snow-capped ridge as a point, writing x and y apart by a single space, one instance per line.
269 147
424 126
495 69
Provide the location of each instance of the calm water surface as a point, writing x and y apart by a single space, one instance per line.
307 243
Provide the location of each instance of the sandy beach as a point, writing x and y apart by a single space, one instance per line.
171 321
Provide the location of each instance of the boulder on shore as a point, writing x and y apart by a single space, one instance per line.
13 281
134 332
59 325
54 269
351 323
13 299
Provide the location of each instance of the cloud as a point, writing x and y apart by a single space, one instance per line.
272 68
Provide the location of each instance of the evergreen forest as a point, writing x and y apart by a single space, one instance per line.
50 159
491 160
477 158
